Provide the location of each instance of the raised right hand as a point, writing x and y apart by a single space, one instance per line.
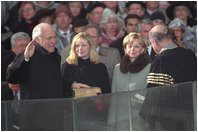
29 50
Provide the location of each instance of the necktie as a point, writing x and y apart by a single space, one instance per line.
65 35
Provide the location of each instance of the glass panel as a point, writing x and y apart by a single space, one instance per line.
160 108
165 108
99 113
7 115
40 115
3 116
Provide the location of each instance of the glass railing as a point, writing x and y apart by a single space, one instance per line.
161 108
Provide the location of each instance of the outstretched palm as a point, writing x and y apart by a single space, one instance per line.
29 50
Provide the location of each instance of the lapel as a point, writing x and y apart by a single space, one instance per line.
101 51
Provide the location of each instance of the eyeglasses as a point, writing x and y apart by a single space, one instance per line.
27 10
177 30
50 38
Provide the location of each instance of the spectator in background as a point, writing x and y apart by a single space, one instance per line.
43 16
10 91
144 27
77 10
158 18
151 7
136 7
83 68
62 25
8 19
86 4
113 5
45 5
19 41
26 13
77 27
131 22
94 12
7 56
184 34
118 7
155 6
108 56
184 11
111 26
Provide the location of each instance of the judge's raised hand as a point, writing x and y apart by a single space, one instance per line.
29 50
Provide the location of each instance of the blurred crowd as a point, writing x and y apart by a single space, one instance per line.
72 16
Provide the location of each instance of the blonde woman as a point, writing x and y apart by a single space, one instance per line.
131 73
82 68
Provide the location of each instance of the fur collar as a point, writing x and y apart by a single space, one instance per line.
136 66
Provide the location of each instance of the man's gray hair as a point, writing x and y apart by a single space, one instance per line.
19 36
161 35
144 21
94 26
37 31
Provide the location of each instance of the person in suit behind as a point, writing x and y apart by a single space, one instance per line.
19 41
109 56
62 25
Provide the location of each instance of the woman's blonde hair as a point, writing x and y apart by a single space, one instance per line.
130 38
73 57
20 13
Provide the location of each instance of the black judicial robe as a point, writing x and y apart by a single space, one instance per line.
171 107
